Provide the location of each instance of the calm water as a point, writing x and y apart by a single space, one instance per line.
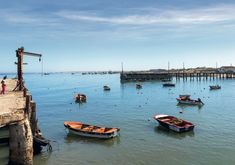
141 140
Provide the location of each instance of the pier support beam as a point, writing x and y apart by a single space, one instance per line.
21 143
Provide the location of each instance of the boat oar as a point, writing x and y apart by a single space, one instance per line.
199 100
202 102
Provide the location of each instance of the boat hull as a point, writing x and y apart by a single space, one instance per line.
215 87
93 135
168 85
189 102
87 130
174 128
173 123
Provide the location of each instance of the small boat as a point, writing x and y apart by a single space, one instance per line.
80 98
168 85
173 123
106 88
213 87
185 99
38 143
138 86
87 130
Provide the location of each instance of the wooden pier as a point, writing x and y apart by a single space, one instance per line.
203 76
145 76
18 113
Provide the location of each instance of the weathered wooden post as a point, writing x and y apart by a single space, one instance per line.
19 55
20 144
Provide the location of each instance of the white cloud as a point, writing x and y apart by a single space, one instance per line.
156 17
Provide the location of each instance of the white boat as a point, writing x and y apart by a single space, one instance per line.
173 123
87 130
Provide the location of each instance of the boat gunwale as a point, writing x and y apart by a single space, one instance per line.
66 124
175 125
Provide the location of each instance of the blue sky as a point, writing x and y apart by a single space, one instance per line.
80 35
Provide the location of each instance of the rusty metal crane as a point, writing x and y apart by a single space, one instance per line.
19 54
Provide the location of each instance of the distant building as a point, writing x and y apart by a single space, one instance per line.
227 69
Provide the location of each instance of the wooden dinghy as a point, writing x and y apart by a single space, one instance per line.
173 123
80 98
138 86
106 88
214 87
87 130
185 99
168 85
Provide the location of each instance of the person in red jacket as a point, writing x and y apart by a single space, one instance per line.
4 86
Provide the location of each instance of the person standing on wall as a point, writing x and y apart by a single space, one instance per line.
4 86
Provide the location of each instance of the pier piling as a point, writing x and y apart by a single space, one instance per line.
20 143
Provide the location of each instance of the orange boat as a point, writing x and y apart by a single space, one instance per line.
87 130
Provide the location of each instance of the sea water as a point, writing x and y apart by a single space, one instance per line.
141 141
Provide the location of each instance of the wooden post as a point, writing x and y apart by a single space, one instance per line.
28 107
19 55
33 120
21 143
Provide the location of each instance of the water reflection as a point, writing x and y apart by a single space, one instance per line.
71 138
161 130
184 106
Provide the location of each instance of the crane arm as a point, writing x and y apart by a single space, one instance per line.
32 54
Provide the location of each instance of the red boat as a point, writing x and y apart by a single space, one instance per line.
173 123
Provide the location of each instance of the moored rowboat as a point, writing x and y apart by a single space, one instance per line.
138 86
212 87
106 88
168 85
87 130
173 123
185 99
80 98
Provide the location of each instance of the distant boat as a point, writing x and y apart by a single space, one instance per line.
88 130
46 73
185 99
106 88
138 86
168 85
173 123
213 87
80 98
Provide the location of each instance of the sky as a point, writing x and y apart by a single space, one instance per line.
89 35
